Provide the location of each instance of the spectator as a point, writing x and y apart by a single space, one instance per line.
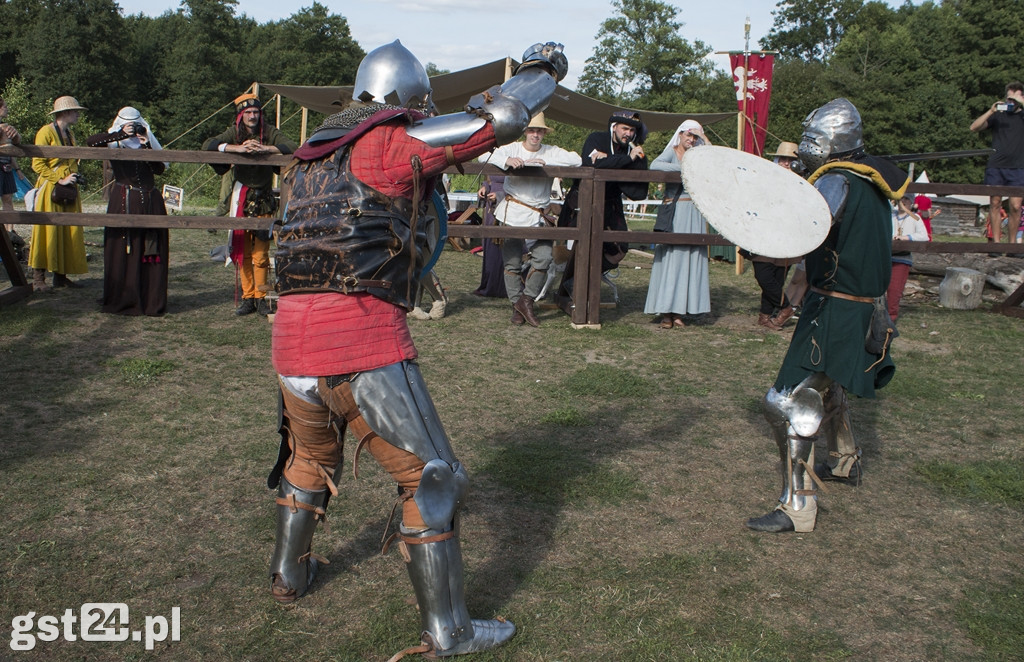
618 148
923 208
134 259
679 277
770 274
1006 167
525 205
906 226
492 279
252 196
9 170
58 248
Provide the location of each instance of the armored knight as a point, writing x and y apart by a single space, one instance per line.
351 253
828 356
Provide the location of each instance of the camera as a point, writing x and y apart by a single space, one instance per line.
1006 106
79 179
139 127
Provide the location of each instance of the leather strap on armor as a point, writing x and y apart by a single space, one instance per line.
341 387
842 295
330 214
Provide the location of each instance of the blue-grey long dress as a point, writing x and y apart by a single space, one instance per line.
679 277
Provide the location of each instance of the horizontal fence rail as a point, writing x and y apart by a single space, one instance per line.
589 233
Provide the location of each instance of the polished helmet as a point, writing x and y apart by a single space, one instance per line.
833 130
392 75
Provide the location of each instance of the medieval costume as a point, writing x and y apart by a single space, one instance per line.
252 196
829 355
525 205
350 254
134 259
57 248
602 149
680 281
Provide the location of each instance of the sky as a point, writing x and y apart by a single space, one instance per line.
458 34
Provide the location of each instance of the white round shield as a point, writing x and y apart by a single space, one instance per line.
754 203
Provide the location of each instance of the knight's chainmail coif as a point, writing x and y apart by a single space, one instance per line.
354 115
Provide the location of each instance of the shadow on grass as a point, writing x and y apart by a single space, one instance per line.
568 460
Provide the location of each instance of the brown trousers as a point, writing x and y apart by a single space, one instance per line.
315 436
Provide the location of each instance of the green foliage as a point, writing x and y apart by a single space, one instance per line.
641 58
994 482
811 29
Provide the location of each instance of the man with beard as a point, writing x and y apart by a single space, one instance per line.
252 196
350 256
618 148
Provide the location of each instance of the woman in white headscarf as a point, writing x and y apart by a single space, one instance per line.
679 278
134 259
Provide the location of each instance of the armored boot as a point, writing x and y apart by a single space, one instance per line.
294 566
843 464
798 504
435 568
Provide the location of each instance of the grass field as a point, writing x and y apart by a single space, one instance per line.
612 472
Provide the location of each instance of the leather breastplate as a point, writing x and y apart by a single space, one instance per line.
340 235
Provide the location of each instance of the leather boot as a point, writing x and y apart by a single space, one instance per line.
248 307
764 319
39 280
263 307
782 317
61 280
294 567
524 306
517 317
435 569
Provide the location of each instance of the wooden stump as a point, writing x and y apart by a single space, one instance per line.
961 288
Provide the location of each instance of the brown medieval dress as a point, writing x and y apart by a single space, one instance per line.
134 259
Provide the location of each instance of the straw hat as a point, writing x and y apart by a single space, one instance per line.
787 150
537 122
66 103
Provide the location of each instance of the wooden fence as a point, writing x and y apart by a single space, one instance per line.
589 233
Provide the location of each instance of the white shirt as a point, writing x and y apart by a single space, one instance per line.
909 225
534 191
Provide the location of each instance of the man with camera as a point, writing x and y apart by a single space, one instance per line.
252 196
1006 167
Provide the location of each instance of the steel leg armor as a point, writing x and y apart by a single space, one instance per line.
294 567
795 418
392 416
395 403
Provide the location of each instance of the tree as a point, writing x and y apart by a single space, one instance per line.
641 58
202 67
811 29
78 48
311 47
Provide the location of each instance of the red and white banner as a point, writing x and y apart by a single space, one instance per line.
756 76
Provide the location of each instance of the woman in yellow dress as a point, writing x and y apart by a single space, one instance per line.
57 248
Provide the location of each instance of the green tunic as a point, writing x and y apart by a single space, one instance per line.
855 259
253 176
